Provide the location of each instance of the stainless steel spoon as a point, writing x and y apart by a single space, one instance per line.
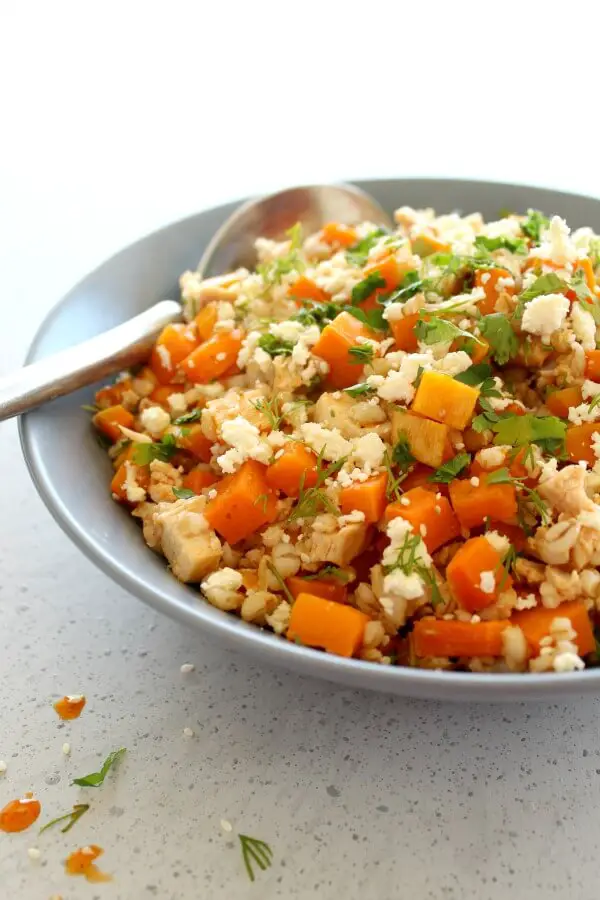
232 246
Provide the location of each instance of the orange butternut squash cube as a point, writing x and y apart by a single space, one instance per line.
213 357
366 496
330 626
476 575
173 344
443 399
296 467
108 420
328 590
428 441
536 624
473 505
243 505
430 516
336 340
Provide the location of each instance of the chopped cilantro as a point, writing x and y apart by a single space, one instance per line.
363 290
274 346
440 331
373 318
329 571
358 253
194 416
401 455
143 454
184 493
448 472
361 354
533 225
320 314
360 390
475 375
411 284
514 245
498 332
97 778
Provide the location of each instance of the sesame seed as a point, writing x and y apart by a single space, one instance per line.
66 749
3 767
33 853
226 826
187 668
188 732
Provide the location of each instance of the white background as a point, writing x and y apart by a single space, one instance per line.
116 118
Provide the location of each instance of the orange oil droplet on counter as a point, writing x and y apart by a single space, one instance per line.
70 707
82 862
19 814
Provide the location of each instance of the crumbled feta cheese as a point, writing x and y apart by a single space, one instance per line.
499 542
3 767
164 355
453 363
249 345
244 439
475 481
582 413
528 601
177 404
33 853
504 282
507 227
155 419
583 326
487 582
286 331
405 501
186 668
188 732
398 386
556 244
327 441
567 662
351 518
590 389
485 277
545 314
409 587
133 491
596 444
491 457
66 749
369 450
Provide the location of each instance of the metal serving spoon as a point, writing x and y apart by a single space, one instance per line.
232 246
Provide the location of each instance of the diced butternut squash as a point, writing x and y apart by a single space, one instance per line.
161 394
514 533
206 321
514 461
430 516
330 626
441 638
473 505
391 270
338 235
336 340
476 575
443 399
199 478
559 402
536 624
403 331
173 344
579 442
427 440
419 477
587 267
328 590
478 351
108 420
295 468
366 496
306 289
213 357
192 439
141 475
112 395
244 505
426 243
592 365
488 280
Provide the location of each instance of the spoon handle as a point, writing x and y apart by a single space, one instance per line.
71 369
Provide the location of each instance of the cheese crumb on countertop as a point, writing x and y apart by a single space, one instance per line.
3 767
66 749
188 732
186 668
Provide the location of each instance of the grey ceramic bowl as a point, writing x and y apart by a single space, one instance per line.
71 472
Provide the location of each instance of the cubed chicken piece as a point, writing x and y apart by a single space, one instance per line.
340 547
191 547
565 491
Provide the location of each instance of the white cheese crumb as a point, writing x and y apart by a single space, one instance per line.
33 853
66 749
188 732
244 439
567 662
583 326
423 529
327 441
186 668
369 450
155 419
499 542
453 363
491 457
133 491
352 518
164 355
177 404
545 314
556 244
226 826
487 582
3 767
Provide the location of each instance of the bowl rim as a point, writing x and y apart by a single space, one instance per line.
428 683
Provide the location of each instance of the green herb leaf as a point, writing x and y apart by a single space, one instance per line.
372 318
358 253
255 852
361 354
312 501
448 472
514 245
401 455
411 284
184 493
274 346
279 578
271 410
360 390
314 313
90 409
97 778
440 331
534 224
143 454
475 375
194 416
516 431
329 571
498 332
363 290
79 809
273 272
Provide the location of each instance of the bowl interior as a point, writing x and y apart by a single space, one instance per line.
63 455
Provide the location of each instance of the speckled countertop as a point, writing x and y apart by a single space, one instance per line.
361 796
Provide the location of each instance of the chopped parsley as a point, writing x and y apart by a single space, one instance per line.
313 500
194 416
358 253
475 375
534 224
329 571
273 272
548 432
440 331
411 285
360 390
143 454
184 493
275 346
401 455
363 290
372 318
314 313
497 330
514 245
448 472
97 778
361 354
